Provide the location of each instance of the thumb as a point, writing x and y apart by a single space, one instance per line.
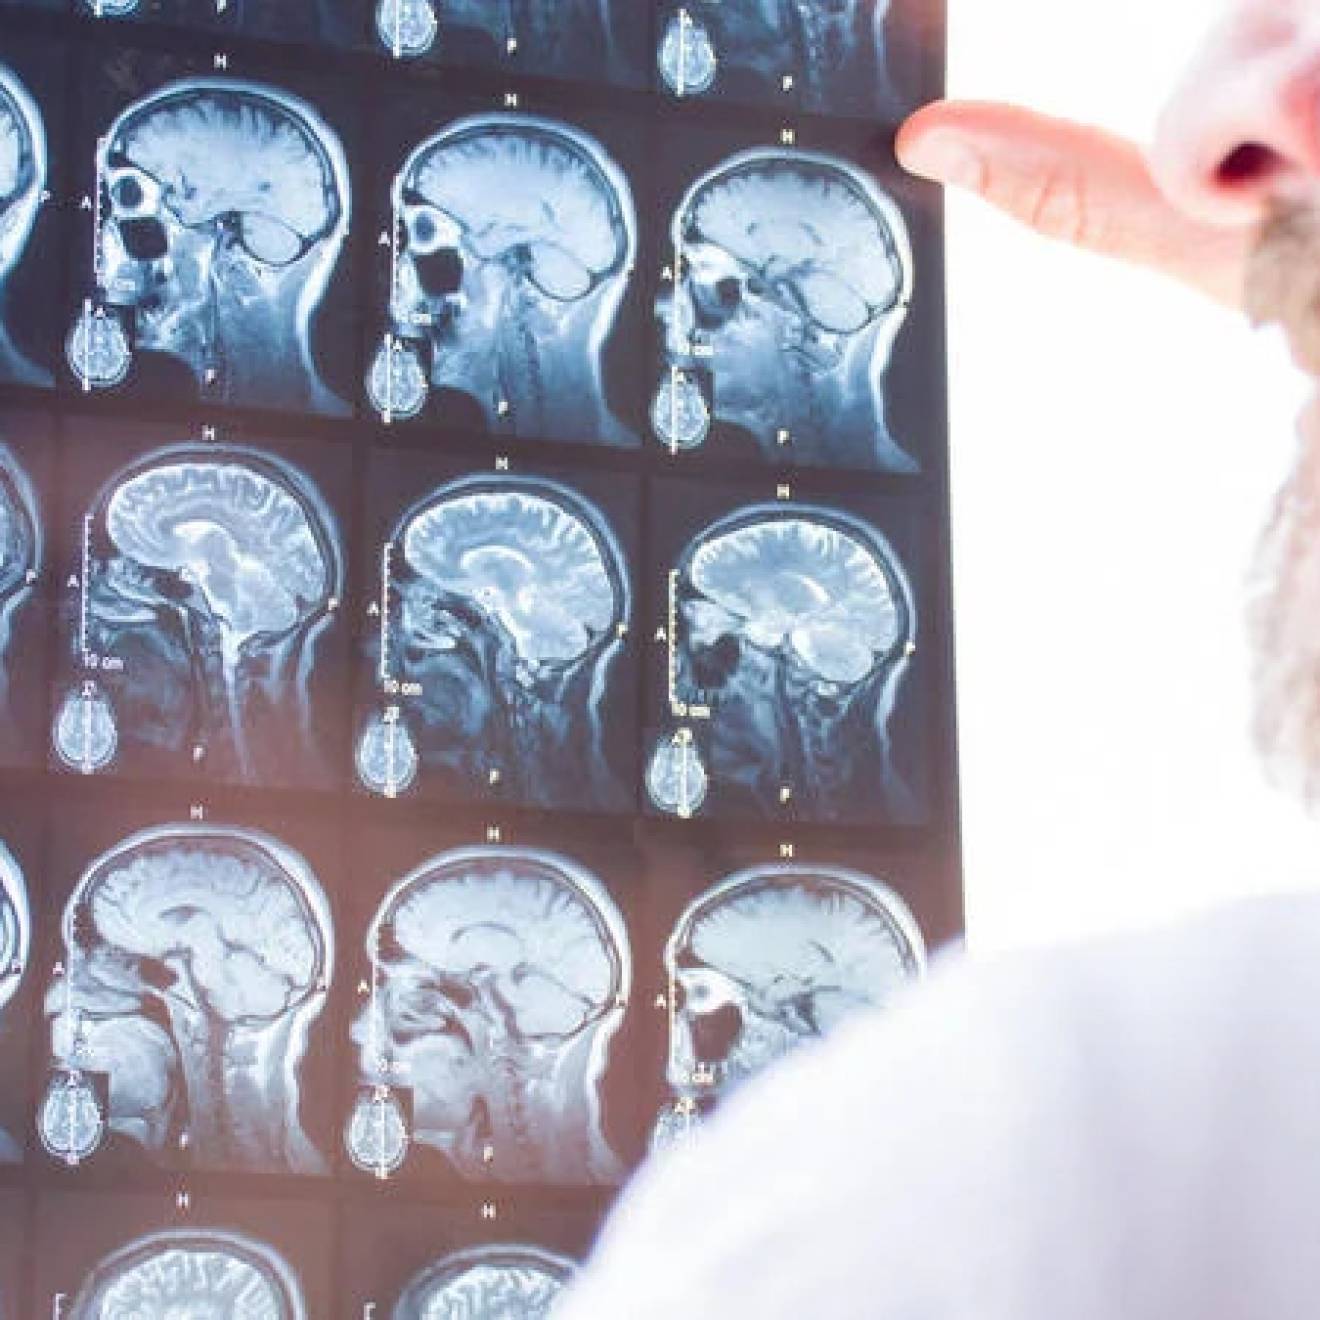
1075 183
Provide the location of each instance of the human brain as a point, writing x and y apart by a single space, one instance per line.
242 534
512 184
17 532
216 150
170 1278
795 931
489 1292
222 907
522 920
15 148
783 214
527 559
809 582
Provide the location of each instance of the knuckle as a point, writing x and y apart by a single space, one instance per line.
1057 205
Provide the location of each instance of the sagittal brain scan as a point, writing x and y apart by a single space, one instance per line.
792 277
193 1273
505 601
794 625
767 959
495 1282
514 243
221 209
22 184
826 56
20 550
208 574
195 961
498 976
15 949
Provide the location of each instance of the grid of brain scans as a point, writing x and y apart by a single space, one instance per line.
476 678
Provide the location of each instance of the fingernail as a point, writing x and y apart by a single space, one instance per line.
944 158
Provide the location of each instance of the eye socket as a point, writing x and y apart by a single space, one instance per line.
269 240
557 272
133 194
831 303
427 230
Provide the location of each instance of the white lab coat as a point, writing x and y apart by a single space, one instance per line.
1124 1130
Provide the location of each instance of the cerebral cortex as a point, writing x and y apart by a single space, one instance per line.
790 215
488 1292
15 151
809 929
225 912
245 539
527 560
520 921
807 582
16 532
509 186
218 150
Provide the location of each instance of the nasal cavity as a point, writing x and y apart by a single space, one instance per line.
1250 165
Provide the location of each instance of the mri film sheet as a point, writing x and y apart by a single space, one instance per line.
99 1256
20 873
212 260
414 1263
493 1037
791 683
186 999
498 656
26 466
790 291
201 621
504 299
756 955
577 40
32 173
869 58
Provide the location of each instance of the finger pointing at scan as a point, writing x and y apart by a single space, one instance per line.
1075 183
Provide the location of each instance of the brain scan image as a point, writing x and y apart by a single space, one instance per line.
294 20
515 238
196 960
766 960
20 549
196 1273
824 56
208 575
792 277
221 210
794 625
505 604
23 166
498 976
498 1281
15 950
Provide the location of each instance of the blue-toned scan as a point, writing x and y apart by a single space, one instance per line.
208 575
766 960
191 1272
792 276
794 626
195 961
492 1282
515 240
22 184
20 551
505 601
498 977
825 56
15 949
222 207
290 20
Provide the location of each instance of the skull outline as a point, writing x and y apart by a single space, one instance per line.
19 207
504 1104
160 1060
492 1271
796 351
21 547
804 912
501 692
231 294
519 330
15 952
199 1249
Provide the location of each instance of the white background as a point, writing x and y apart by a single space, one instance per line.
1116 442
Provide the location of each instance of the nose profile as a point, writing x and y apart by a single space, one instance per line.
1244 127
